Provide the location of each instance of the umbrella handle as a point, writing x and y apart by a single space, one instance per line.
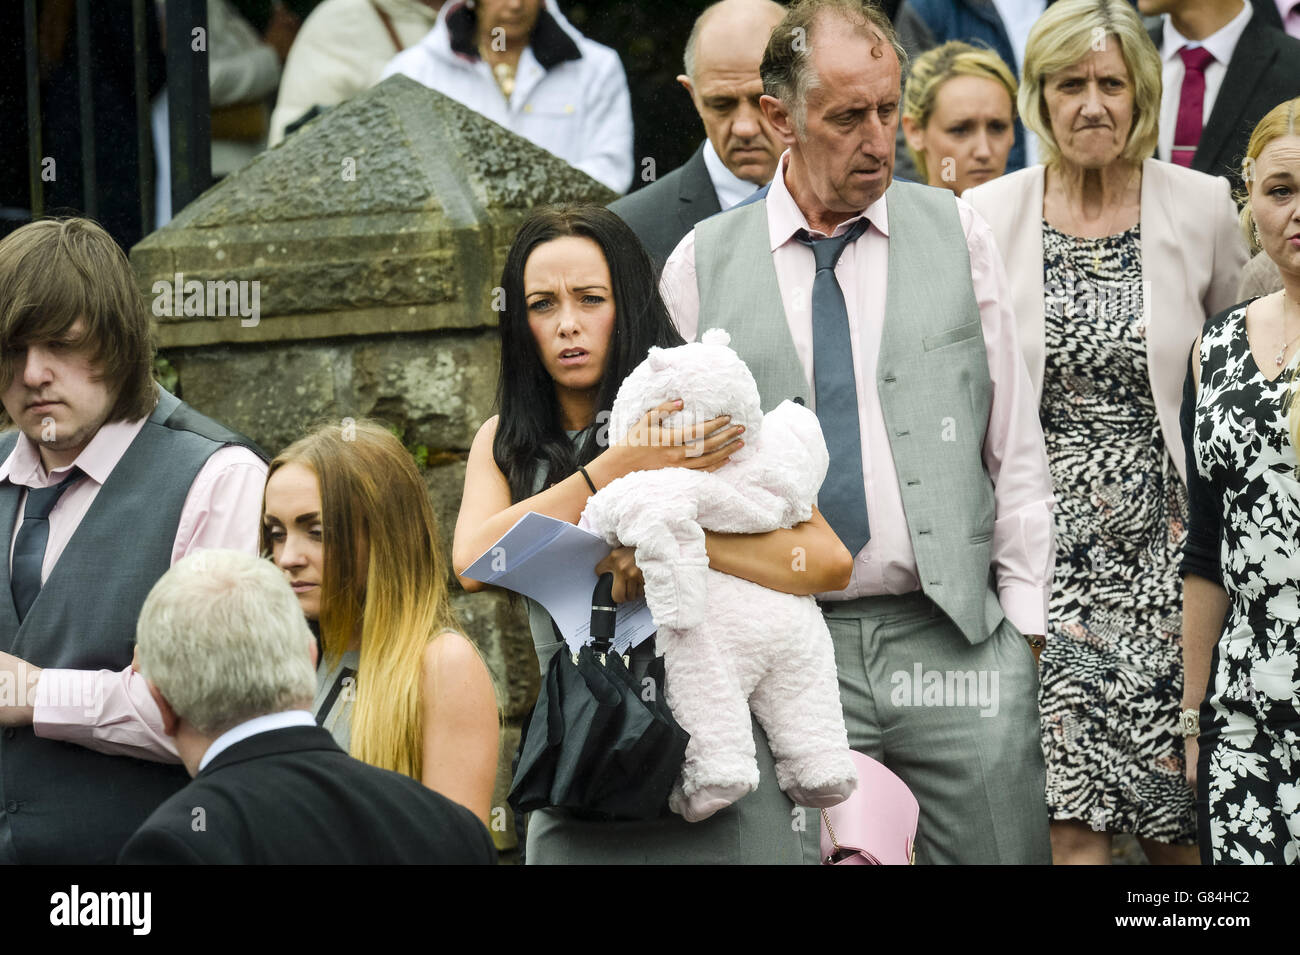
603 614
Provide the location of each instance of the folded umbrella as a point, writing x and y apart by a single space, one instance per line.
599 743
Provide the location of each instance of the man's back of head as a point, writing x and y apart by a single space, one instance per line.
222 637
230 662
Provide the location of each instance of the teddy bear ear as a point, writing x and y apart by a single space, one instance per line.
656 358
716 336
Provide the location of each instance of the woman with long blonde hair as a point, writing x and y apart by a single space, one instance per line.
347 517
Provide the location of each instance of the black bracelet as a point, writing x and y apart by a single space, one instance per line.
586 477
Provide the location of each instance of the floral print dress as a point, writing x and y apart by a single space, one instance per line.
1111 675
1248 774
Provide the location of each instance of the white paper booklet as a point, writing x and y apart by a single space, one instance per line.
554 563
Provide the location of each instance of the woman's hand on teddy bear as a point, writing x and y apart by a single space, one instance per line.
628 582
649 445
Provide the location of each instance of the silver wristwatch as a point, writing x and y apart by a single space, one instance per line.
1189 722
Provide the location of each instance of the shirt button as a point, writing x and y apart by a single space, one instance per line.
11 806
528 107
9 732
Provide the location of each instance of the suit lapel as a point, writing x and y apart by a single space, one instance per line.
1251 59
697 199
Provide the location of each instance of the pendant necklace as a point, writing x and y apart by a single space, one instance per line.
1281 352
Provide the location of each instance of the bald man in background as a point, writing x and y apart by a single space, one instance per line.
741 150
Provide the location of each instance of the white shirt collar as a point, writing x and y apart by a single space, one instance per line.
729 187
258 724
1221 43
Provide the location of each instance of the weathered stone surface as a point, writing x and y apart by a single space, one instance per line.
271 394
399 204
437 389
502 824
499 628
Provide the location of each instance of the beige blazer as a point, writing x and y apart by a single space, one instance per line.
1192 257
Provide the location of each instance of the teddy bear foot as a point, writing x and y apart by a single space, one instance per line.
706 800
820 780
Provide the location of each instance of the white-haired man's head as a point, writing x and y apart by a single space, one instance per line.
222 638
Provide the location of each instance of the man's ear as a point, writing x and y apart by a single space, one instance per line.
171 722
686 84
914 134
314 652
778 117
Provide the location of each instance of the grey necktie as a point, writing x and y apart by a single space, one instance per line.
29 548
842 499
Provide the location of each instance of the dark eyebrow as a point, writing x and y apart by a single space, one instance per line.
588 288
307 518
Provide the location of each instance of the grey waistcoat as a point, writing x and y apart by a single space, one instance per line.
932 378
65 804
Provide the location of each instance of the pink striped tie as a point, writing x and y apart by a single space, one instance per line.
1191 104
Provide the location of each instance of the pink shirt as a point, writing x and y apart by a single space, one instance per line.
222 510
1014 453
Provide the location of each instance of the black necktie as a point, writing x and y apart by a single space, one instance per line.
843 498
29 548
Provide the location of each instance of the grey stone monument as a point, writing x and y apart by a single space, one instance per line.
352 271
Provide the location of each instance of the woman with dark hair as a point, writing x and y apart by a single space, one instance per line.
582 311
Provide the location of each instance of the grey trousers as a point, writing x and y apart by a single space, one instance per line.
958 723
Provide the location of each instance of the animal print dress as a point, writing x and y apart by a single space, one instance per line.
1249 768
1111 675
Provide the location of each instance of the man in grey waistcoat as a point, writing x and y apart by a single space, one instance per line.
106 481
886 308
740 150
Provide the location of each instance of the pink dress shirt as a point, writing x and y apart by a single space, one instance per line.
222 510
1014 453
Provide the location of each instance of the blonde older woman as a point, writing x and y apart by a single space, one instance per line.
1116 260
959 115
1241 619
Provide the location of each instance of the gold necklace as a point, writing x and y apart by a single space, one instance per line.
503 73
1110 222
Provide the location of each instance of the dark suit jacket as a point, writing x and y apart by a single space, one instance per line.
1263 72
291 796
663 212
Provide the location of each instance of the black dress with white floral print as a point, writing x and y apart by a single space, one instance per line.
1112 674
1248 774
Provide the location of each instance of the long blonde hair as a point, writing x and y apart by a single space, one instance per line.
384 574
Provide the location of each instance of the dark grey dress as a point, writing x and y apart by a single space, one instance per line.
762 828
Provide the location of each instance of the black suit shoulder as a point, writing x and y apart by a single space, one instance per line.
663 212
307 803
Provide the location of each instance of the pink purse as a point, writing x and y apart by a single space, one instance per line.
874 826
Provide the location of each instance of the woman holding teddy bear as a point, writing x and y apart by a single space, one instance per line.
583 310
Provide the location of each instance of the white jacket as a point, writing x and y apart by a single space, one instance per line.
340 51
578 109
